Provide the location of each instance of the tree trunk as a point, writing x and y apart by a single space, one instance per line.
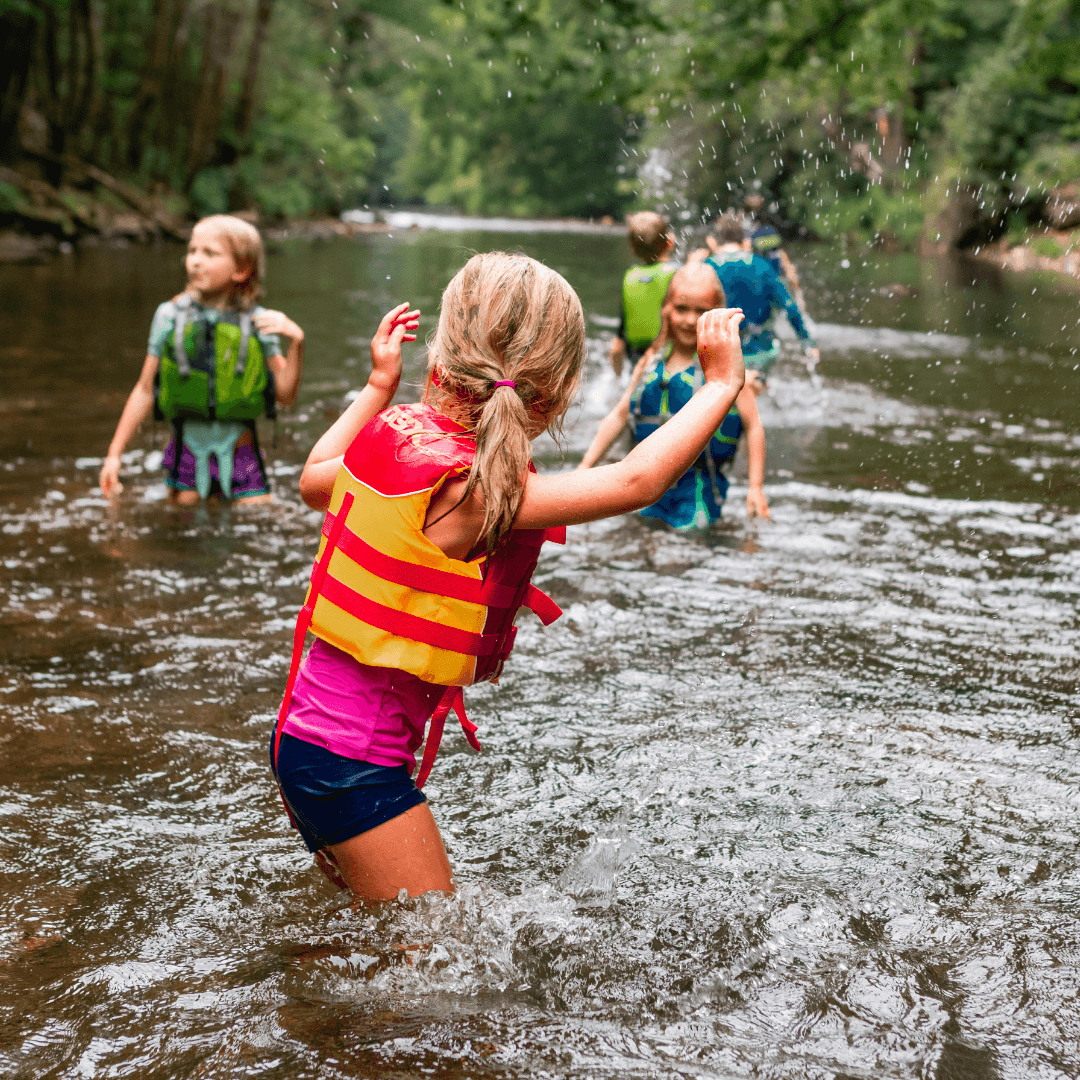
219 42
174 115
52 107
82 58
152 84
18 31
245 109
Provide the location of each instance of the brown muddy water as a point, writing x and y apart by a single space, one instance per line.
797 799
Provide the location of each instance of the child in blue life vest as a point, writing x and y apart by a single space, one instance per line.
666 379
213 366
643 289
751 284
434 522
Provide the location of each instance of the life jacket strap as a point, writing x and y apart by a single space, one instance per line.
710 465
452 698
402 624
183 310
245 337
541 605
438 582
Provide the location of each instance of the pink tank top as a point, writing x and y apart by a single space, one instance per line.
374 714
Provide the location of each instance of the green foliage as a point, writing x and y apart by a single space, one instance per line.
884 119
1050 165
309 149
11 200
526 114
876 116
1047 246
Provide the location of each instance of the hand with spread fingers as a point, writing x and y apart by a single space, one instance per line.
398 325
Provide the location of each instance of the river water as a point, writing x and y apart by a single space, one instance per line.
793 799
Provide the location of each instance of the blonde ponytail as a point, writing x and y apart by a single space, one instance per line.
507 320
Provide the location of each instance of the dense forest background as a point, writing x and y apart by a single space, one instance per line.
947 122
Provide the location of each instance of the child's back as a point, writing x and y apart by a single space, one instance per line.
434 524
751 284
644 287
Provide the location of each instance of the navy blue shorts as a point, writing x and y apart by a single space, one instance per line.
333 798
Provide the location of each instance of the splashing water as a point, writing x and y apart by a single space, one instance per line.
790 799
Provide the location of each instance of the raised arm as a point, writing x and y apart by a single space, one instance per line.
782 298
321 468
654 464
288 369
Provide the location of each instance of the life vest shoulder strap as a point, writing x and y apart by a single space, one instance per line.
183 313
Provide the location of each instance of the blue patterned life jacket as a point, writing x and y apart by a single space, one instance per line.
658 397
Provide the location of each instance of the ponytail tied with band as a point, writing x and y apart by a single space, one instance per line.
505 321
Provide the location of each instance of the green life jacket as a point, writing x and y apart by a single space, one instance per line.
643 292
219 373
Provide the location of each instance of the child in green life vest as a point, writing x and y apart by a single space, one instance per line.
214 364
652 241
665 379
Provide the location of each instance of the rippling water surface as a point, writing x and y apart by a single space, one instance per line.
793 799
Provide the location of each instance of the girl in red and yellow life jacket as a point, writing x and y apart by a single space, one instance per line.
434 522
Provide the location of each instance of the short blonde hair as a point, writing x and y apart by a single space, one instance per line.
510 319
696 271
246 247
649 235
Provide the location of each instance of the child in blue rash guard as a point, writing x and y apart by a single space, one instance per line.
750 283
769 244
214 364
665 379
652 241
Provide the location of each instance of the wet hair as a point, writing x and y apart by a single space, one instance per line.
246 247
728 228
649 235
505 317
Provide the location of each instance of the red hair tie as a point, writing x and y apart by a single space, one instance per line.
505 382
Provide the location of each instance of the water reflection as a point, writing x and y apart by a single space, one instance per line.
793 799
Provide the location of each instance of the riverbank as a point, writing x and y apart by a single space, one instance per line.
1053 251
1057 252
20 246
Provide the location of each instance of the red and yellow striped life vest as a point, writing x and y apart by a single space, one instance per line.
384 593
